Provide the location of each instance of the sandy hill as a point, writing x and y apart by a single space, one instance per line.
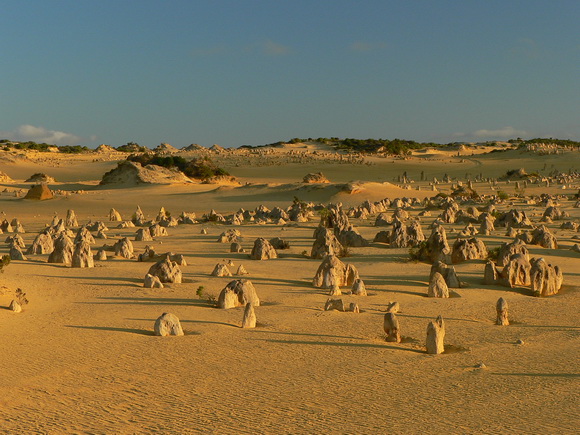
132 173
165 148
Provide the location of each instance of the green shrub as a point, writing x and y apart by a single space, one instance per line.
493 254
4 261
199 168
502 195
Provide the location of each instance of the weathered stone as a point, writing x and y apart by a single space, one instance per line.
236 247
326 243
490 274
167 324
230 236
468 249
516 271
249 319
358 288
42 244
15 306
123 248
221 269
546 279
71 219
115 216
82 256
502 312
152 281
157 230
436 337
263 250
16 253
334 304
237 294
391 327
63 250
436 247
506 251
143 235
166 270
241 270
84 235
437 287
278 243
333 271
448 273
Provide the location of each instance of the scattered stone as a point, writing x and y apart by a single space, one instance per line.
143 235
242 270
42 244
502 312
63 250
230 236
221 269
15 306
237 294
506 251
325 244
516 272
167 324
334 304
115 216
315 178
82 256
236 247
391 327
152 281
448 273
358 288
546 279
249 319
157 230
333 272
435 337
166 270
437 287
124 248
468 249
263 250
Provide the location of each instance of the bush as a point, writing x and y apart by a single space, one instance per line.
502 195
4 261
199 168
418 252
493 254
77 149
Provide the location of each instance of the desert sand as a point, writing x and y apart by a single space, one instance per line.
82 357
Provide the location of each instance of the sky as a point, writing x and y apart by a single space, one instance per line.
255 72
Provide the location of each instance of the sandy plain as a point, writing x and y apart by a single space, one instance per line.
82 358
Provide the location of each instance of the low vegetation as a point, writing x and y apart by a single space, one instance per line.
200 168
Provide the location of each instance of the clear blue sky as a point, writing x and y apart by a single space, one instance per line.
254 72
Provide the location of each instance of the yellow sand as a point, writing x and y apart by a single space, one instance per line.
81 357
